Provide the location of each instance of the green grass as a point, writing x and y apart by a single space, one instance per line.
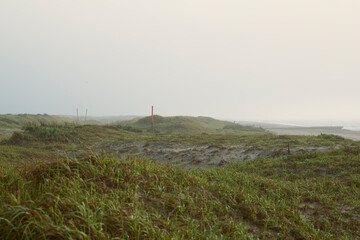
10 123
40 141
193 125
311 196
95 133
21 120
46 196
15 155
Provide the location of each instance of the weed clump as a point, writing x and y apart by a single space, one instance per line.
48 133
330 137
45 134
17 138
129 128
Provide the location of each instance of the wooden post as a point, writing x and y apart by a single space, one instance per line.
85 116
77 116
152 118
288 148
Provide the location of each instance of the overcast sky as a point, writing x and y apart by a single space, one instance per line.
232 59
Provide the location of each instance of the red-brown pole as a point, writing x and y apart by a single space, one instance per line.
152 114
152 118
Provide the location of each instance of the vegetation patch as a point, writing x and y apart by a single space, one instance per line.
193 125
102 197
304 196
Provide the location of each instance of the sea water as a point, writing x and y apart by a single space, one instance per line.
353 125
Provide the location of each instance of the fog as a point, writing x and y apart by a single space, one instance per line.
230 59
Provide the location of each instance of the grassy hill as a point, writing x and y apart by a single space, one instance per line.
10 123
90 134
58 182
41 142
21 120
310 196
181 124
102 119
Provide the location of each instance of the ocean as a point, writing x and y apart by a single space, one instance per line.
353 125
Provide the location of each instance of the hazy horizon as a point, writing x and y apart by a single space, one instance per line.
237 60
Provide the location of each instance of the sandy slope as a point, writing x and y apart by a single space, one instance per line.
197 156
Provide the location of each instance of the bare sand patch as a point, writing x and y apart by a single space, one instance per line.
197 156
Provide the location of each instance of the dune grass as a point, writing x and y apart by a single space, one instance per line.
310 196
95 133
20 120
51 142
10 123
186 124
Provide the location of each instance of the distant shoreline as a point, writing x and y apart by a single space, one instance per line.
339 131
285 129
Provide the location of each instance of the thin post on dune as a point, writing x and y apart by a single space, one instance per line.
152 118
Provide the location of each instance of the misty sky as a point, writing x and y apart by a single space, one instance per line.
230 59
